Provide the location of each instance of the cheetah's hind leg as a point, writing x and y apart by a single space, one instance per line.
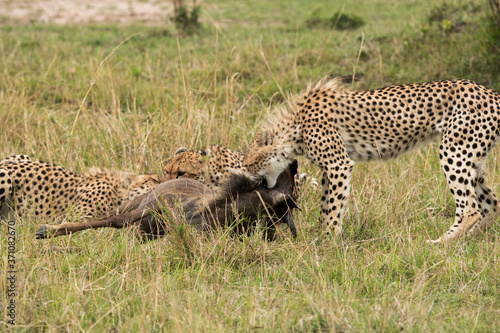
461 178
488 204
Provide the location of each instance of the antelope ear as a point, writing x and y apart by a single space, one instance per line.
294 168
291 203
180 150
267 138
291 224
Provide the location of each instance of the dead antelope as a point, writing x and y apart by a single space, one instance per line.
241 195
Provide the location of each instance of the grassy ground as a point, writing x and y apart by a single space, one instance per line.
127 97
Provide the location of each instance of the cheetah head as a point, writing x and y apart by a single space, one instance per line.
187 164
268 156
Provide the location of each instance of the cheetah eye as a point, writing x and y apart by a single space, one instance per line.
180 174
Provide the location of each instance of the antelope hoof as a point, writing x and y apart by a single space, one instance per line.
42 232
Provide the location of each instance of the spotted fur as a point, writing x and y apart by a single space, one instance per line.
336 127
214 164
210 165
50 191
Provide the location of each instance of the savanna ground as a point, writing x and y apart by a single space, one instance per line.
125 96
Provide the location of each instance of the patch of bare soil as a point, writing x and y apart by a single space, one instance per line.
86 11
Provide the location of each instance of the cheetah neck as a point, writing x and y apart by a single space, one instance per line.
285 123
283 119
287 137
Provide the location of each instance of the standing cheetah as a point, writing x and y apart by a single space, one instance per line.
50 191
334 127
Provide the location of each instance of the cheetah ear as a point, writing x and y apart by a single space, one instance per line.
127 179
180 150
267 138
206 152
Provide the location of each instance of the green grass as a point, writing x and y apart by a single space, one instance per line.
128 97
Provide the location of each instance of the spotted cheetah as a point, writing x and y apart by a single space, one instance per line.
209 166
49 191
213 165
334 127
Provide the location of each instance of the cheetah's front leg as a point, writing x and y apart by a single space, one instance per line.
335 191
331 156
